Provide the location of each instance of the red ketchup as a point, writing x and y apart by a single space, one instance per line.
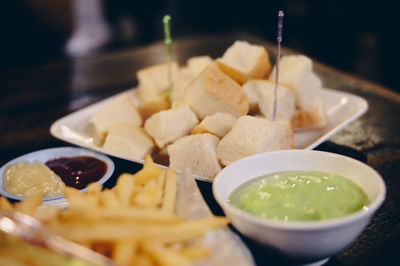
78 171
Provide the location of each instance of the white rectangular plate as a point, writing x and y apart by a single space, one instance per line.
341 107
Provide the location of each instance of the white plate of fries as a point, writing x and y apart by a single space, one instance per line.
341 108
153 217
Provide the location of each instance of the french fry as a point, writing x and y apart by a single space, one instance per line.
143 259
150 196
124 252
7 258
147 200
164 256
81 205
161 179
195 252
47 214
92 200
109 199
124 188
176 246
76 200
30 204
124 213
94 189
112 231
148 172
169 191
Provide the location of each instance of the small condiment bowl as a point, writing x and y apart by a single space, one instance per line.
308 241
52 153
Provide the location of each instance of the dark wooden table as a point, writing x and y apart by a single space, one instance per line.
32 99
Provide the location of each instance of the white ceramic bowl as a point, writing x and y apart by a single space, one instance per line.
52 153
310 240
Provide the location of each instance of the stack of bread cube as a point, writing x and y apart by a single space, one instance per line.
217 112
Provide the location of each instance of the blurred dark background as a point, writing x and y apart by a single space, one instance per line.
358 37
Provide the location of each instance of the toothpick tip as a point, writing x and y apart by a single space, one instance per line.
166 18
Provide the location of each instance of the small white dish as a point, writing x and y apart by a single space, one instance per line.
341 109
52 153
310 241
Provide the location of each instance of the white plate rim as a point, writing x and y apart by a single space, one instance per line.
360 107
45 154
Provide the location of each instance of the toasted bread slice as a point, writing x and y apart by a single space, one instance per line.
131 141
119 109
251 135
214 92
168 126
243 61
197 152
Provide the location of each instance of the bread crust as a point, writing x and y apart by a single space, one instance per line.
200 129
147 109
218 124
235 74
308 119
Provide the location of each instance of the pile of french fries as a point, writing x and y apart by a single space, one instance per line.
133 223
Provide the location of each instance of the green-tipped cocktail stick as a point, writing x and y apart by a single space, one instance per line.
168 41
278 54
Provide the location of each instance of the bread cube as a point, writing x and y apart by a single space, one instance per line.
155 105
243 61
167 126
218 124
153 81
313 117
251 135
120 109
261 97
214 92
128 140
296 72
197 152
197 64
182 81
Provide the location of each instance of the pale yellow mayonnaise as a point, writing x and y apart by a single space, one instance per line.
26 179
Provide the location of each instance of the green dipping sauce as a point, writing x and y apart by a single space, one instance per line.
299 196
